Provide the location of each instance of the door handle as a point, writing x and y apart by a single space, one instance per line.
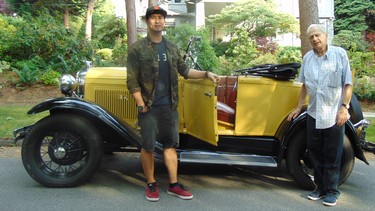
209 94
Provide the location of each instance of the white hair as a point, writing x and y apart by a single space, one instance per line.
316 27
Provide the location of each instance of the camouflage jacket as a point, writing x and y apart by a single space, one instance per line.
143 69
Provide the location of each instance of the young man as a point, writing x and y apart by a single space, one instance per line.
327 79
153 67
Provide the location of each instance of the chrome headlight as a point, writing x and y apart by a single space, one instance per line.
68 84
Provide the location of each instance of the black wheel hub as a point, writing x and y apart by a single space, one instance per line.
65 151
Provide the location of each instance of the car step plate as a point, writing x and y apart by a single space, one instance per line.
232 159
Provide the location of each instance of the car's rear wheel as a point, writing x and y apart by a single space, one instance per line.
62 150
300 167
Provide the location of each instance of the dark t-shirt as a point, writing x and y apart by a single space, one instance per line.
163 87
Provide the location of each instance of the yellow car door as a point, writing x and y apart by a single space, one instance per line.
199 110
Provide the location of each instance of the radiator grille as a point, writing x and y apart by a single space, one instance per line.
119 102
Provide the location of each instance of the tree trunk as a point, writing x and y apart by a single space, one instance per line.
131 21
90 11
309 14
66 18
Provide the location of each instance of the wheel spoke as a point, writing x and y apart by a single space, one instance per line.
74 141
77 150
73 153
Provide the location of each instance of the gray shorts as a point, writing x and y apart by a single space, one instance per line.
159 124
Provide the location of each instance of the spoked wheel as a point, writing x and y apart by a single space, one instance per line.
62 151
300 167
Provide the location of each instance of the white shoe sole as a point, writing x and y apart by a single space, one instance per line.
179 196
329 204
152 199
314 199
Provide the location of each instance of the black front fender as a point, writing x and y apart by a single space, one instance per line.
82 107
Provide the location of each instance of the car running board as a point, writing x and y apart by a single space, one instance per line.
230 159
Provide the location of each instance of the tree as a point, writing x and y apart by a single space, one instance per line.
258 17
90 11
351 14
107 29
131 21
309 14
55 7
21 6
65 7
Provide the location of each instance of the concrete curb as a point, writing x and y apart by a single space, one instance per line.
9 143
368 114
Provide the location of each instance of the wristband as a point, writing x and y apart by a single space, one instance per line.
346 105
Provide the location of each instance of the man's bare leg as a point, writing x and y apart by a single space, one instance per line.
148 165
170 161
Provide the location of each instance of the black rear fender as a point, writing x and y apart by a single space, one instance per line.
355 111
112 129
300 124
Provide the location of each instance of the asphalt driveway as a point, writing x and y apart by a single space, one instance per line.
119 185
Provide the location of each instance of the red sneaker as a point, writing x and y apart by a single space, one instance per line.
152 192
180 191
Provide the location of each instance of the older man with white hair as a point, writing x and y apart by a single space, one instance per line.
327 79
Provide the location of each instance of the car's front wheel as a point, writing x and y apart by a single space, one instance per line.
62 150
299 164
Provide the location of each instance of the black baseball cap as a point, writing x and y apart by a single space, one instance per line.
155 10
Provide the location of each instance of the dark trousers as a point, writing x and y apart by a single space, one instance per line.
325 148
159 124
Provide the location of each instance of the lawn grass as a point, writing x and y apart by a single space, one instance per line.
12 117
370 131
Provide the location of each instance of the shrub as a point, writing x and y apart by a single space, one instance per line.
362 63
350 40
242 50
289 54
220 47
267 58
225 67
103 57
266 45
50 77
28 72
228 66
204 52
44 36
120 52
4 66
364 88
107 29
6 33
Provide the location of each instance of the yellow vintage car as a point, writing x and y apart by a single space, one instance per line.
239 121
